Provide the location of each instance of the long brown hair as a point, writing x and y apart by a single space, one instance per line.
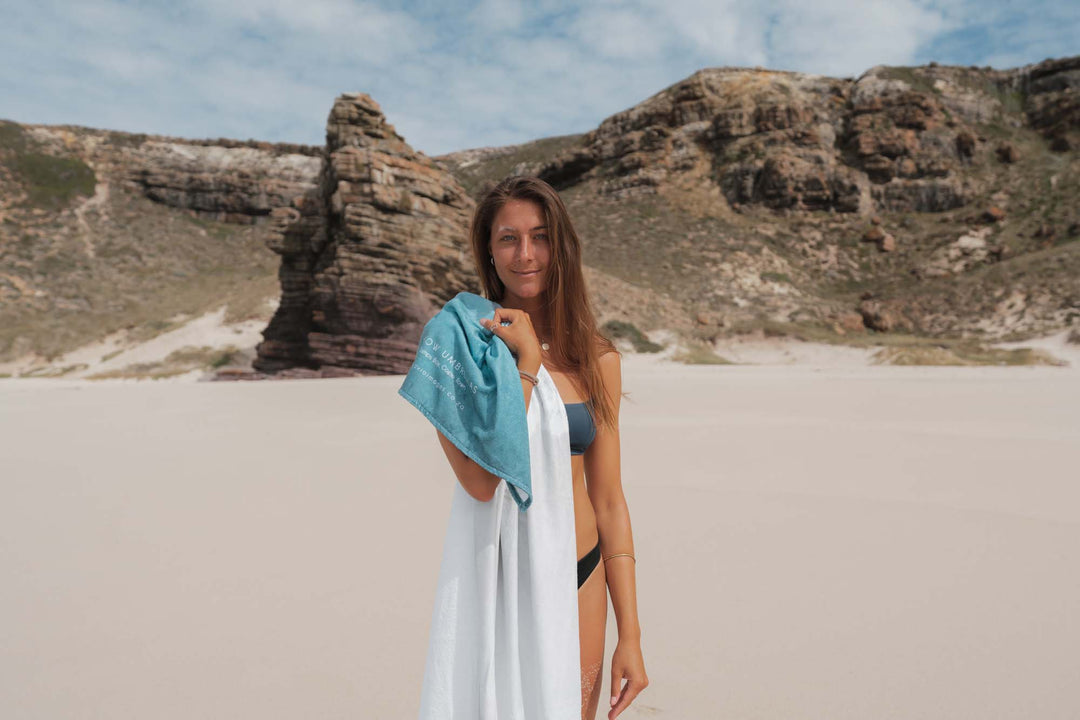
579 344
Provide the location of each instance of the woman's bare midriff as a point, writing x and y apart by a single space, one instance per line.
584 517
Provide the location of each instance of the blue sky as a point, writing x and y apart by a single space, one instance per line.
451 76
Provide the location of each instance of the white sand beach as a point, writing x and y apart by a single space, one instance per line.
814 541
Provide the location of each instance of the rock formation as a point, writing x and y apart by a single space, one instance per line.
893 139
235 184
232 181
369 255
744 193
1053 107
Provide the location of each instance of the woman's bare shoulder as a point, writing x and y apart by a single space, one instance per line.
611 364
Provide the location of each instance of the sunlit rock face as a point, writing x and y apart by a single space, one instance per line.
899 139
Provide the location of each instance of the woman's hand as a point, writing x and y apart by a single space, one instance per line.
519 335
626 662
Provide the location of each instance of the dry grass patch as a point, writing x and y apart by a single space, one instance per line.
178 362
619 330
699 355
49 371
962 354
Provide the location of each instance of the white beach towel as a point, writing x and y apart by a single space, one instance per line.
504 641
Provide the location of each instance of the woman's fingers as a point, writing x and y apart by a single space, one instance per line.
502 315
496 320
623 700
617 690
519 334
505 332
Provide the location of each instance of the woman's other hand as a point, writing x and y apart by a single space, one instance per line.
626 662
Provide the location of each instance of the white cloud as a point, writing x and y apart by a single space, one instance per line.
497 15
836 37
449 76
338 22
620 32
125 65
726 31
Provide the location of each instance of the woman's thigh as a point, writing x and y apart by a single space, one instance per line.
592 624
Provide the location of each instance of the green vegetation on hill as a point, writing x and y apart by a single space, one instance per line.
50 182
619 330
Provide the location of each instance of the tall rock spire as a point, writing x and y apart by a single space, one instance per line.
369 257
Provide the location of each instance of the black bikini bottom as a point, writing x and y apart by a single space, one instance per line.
587 564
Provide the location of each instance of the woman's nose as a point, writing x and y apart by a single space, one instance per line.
526 248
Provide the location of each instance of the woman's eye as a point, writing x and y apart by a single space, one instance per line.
508 237
540 236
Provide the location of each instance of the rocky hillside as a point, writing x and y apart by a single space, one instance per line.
104 231
929 200
926 202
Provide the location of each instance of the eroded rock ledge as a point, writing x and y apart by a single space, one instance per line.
894 139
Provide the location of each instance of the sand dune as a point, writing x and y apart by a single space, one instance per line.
812 542
117 353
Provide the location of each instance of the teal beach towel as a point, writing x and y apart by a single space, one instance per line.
465 381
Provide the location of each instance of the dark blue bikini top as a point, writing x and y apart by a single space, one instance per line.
582 427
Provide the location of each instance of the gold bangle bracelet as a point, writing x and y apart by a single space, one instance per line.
618 554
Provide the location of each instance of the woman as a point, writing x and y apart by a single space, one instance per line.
529 261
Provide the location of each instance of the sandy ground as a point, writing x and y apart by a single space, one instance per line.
812 542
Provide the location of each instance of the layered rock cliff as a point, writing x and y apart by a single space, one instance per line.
930 200
893 139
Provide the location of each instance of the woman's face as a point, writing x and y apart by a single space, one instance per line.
520 247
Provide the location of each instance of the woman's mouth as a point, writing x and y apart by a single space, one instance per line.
530 273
